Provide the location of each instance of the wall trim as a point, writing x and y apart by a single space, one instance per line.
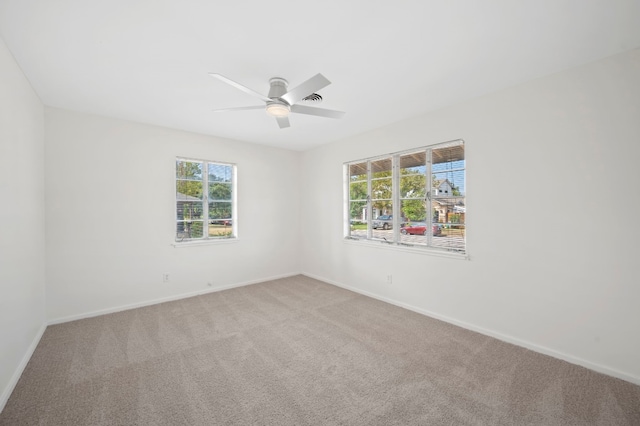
491 333
164 299
8 390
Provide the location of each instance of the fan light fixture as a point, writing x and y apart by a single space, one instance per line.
278 110
280 102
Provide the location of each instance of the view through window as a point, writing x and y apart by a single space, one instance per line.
411 198
205 205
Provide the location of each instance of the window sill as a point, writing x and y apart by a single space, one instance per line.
197 243
407 248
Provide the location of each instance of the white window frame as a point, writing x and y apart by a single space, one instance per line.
393 239
204 202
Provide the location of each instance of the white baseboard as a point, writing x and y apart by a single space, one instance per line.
6 393
487 332
164 299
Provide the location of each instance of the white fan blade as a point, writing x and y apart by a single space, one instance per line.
239 108
315 83
240 86
320 112
283 122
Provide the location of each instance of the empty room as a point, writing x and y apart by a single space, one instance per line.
319 213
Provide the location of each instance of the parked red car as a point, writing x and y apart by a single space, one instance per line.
420 228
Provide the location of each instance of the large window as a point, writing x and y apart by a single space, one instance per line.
205 194
411 198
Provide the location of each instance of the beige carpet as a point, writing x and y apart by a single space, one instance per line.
297 351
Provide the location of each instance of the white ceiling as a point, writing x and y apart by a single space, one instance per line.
148 60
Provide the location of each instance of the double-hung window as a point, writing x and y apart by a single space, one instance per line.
410 198
205 200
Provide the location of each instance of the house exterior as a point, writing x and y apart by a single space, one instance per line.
449 208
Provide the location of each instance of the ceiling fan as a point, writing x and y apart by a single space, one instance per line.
280 101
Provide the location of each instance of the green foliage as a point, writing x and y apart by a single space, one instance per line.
188 180
356 208
358 191
189 210
455 217
189 229
188 188
382 174
381 189
196 229
219 191
219 172
189 170
413 190
220 210
413 186
414 210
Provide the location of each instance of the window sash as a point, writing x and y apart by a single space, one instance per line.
207 201
420 167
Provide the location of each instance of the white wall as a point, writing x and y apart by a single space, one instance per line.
552 270
110 197
22 212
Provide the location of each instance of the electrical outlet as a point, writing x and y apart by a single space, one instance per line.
389 279
165 278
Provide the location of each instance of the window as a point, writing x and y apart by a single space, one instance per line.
412 198
205 200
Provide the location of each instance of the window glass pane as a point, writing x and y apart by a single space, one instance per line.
381 168
447 153
413 186
181 231
358 211
448 170
382 223
188 190
358 172
381 192
220 191
358 190
414 163
189 229
358 218
220 172
220 228
381 185
189 170
448 183
381 199
188 210
220 210
413 179
450 215
414 210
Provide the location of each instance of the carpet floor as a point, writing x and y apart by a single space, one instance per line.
297 351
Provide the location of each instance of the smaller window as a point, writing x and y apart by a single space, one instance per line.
205 200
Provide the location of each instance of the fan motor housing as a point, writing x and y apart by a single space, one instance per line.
278 87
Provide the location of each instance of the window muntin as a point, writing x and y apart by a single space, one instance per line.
198 209
428 186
